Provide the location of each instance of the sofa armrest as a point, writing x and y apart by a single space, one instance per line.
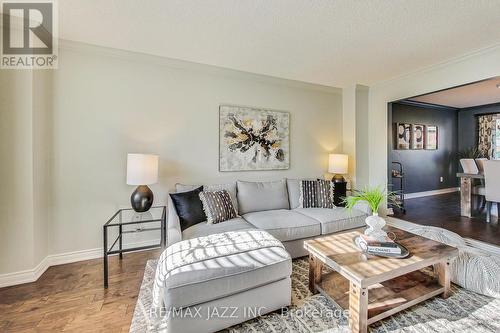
174 233
364 207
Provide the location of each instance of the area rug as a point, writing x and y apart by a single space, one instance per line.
463 311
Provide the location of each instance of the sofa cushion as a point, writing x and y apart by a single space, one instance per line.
260 196
205 229
293 187
189 207
230 187
285 225
335 219
202 269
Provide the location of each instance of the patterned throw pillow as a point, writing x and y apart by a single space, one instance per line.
217 206
316 194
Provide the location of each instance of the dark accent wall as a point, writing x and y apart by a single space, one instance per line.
467 124
423 168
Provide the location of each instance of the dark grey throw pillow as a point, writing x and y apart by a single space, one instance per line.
325 194
316 194
189 207
217 206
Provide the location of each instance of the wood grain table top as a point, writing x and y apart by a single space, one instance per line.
339 252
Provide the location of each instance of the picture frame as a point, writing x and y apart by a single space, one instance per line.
431 137
403 136
417 136
253 139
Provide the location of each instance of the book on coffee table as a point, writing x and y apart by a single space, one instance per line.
372 246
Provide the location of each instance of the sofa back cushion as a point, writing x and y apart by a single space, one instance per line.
259 196
293 186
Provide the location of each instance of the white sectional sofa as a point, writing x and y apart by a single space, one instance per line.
243 263
273 207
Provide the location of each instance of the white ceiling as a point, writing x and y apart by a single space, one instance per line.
330 42
474 94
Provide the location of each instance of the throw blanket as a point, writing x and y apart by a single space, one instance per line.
473 269
200 249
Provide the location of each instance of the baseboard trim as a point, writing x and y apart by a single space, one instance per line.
430 193
31 275
26 276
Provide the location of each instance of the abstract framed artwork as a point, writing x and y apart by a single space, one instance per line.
253 139
431 137
403 131
417 136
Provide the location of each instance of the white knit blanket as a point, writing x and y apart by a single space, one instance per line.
209 247
472 269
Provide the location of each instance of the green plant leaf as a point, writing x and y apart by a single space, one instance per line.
373 196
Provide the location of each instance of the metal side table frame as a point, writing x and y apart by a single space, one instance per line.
125 217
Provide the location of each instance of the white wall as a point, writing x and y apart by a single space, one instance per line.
355 132
16 170
42 154
349 129
25 168
474 67
107 103
362 138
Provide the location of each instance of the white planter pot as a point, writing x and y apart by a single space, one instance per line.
375 224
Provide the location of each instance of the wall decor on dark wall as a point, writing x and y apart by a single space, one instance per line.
424 168
417 136
403 131
431 137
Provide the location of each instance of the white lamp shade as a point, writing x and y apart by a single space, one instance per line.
142 169
338 163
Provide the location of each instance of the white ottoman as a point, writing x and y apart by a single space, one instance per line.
209 283
472 269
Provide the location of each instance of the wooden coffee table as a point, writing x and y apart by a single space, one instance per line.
373 288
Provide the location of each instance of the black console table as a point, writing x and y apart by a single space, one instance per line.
124 220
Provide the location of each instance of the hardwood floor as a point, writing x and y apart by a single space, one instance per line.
71 297
444 211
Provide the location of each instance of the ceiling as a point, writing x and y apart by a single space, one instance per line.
474 94
329 42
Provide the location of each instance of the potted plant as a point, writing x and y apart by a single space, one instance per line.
373 197
472 152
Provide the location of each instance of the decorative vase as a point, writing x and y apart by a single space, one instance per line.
375 224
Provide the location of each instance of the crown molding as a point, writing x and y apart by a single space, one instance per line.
426 69
425 105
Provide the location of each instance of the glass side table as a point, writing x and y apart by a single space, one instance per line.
127 221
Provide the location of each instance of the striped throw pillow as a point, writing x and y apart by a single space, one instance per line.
217 206
316 194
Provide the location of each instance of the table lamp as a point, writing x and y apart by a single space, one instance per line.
142 170
337 164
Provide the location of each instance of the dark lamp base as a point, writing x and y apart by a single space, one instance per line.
142 199
338 179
